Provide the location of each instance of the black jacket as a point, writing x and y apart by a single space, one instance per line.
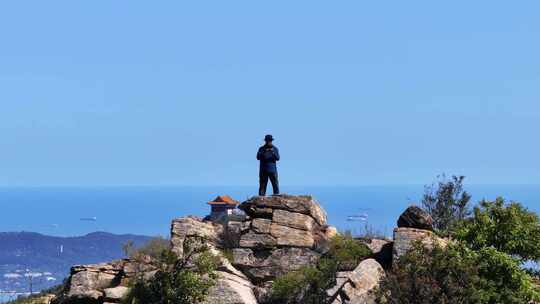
268 156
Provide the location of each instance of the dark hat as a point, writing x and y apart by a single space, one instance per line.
268 138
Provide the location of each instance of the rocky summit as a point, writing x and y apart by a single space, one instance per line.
279 234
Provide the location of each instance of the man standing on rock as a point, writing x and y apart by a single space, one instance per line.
268 155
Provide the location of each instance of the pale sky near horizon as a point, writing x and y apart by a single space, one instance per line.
355 93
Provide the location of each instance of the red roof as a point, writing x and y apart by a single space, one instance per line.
224 200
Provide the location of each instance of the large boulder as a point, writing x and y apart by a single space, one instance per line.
415 217
193 227
264 206
115 294
89 281
231 289
358 286
282 233
404 238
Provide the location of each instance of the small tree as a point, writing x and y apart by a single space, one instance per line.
447 203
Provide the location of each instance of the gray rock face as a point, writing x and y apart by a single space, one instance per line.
360 284
415 217
193 227
88 281
266 265
115 294
231 289
405 237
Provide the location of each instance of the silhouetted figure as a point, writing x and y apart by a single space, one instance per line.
268 155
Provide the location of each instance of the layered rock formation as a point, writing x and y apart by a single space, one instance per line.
280 234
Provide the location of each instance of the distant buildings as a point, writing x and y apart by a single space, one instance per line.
222 207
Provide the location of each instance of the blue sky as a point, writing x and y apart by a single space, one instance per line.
356 93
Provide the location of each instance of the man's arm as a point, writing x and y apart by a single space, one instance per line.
259 154
276 153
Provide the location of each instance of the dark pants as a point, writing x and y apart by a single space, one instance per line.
263 182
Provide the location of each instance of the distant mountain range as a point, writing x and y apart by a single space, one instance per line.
47 259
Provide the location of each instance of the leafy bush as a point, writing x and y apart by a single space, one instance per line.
434 275
346 252
308 285
179 280
447 203
456 274
503 280
509 228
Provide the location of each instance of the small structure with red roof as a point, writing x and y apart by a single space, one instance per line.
222 206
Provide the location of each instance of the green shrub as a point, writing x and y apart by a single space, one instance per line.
179 280
456 274
347 252
503 280
509 228
308 285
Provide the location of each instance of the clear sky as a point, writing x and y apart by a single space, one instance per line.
182 92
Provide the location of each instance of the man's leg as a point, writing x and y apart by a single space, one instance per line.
263 182
275 182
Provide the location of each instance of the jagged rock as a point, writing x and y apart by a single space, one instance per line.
341 278
115 294
231 289
265 265
415 217
186 227
88 281
361 283
404 238
296 204
285 233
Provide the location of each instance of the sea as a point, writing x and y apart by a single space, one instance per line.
148 210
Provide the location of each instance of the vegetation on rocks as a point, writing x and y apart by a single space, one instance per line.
309 284
483 262
509 228
180 280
